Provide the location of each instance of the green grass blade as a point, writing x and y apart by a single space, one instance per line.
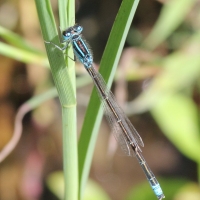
22 55
56 58
67 13
64 80
37 100
18 41
70 159
107 69
172 15
67 9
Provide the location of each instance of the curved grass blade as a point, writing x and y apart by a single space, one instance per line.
107 69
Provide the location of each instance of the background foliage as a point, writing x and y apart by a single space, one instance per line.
159 75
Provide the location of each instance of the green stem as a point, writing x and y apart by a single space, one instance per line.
70 160
198 172
64 78
69 122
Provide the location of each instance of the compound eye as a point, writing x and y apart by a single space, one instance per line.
66 35
78 28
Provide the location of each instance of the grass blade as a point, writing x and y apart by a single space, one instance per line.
172 15
107 69
64 81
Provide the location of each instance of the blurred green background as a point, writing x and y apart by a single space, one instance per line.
157 84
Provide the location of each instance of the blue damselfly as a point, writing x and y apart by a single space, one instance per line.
125 133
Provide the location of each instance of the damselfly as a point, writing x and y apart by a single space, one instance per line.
125 133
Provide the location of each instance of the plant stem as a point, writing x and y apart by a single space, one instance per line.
64 78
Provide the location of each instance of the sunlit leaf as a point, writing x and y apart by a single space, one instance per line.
55 182
190 191
177 117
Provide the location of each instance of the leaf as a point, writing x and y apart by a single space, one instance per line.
55 183
18 41
178 119
172 15
94 191
22 55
